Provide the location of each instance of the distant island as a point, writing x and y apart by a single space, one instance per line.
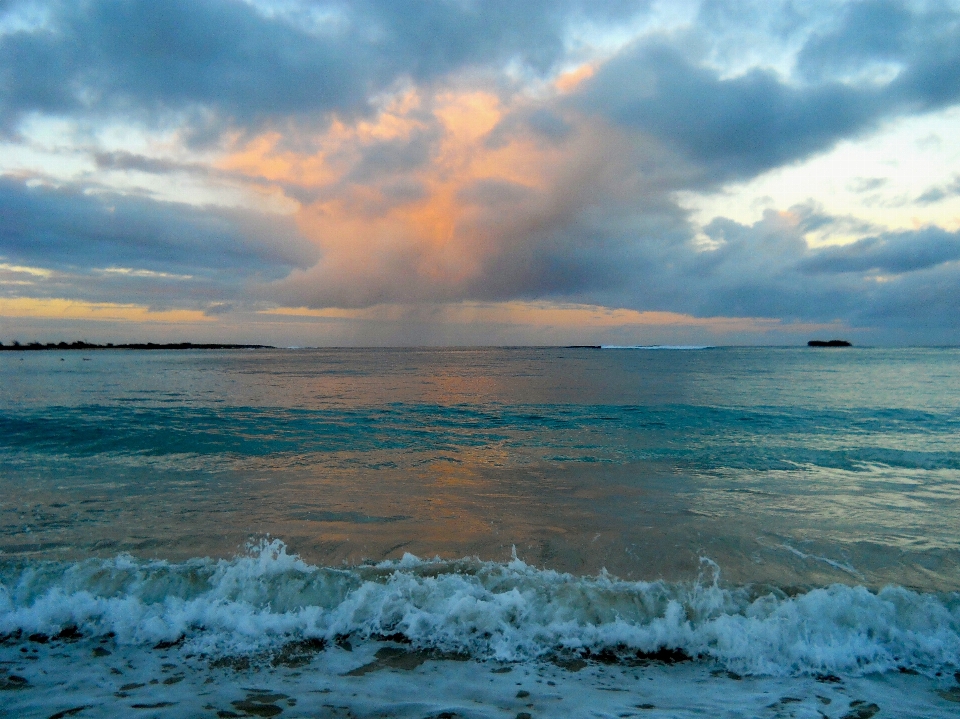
828 343
33 346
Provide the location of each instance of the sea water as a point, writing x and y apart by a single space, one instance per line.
495 532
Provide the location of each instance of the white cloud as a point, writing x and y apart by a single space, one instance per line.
875 180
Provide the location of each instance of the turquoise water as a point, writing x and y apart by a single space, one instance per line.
752 457
800 506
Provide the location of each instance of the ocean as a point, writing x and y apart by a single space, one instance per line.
489 532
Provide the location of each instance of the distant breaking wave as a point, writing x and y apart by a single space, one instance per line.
656 347
487 610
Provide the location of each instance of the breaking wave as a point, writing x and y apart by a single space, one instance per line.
656 347
488 610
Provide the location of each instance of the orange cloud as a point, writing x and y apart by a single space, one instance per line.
570 80
444 230
261 158
549 314
265 157
468 117
54 308
444 195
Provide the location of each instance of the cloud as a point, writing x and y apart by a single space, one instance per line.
902 281
122 160
140 57
449 152
61 309
73 234
733 128
588 216
523 217
865 35
392 157
494 193
538 322
870 62
868 184
909 51
894 253
923 305
941 192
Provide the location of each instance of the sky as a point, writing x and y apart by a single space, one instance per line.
467 172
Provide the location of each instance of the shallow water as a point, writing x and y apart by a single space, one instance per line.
654 499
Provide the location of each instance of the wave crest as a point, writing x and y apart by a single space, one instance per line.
489 610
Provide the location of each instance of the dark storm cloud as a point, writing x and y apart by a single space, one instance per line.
868 32
587 244
904 280
924 304
737 127
143 56
767 269
734 127
893 252
68 229
921 44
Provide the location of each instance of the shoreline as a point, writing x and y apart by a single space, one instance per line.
37 346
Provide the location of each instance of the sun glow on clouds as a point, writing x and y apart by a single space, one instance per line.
569 80
560 316
130 272
428 213
267 157
24 270
63 309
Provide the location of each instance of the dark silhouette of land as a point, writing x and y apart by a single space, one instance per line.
828 343
33 346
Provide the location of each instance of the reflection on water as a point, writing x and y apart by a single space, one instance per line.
788 466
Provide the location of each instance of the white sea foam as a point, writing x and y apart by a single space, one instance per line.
508 612
655 347
842 566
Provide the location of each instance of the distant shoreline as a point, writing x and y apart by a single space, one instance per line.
49 346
